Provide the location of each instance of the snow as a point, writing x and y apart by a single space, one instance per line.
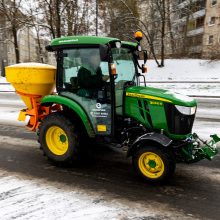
184 70
4 85
32 64
202 76
197 77
25 198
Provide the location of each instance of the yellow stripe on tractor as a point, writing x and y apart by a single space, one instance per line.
138 95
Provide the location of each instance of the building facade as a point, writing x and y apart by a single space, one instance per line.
196 27
211 37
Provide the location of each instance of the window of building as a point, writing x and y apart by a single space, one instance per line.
191 25
200 22
211 20
213 2
210 39
195 40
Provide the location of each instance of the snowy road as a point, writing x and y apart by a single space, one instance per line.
105 188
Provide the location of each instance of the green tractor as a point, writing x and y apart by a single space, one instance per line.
99 99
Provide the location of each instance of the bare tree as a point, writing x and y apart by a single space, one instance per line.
65 17
131 21
160 6
11 10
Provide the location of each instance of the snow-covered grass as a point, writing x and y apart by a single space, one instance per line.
4 85
184 70
195 70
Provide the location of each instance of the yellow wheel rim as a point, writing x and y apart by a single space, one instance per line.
57 140
151 165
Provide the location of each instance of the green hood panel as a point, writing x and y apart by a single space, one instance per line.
160 95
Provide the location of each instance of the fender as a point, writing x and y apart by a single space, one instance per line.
161 139
74 106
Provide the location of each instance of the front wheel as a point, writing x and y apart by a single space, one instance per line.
154 164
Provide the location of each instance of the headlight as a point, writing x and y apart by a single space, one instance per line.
186 110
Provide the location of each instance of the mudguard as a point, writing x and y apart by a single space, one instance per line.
161 139
74 106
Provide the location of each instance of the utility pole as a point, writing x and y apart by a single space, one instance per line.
97 17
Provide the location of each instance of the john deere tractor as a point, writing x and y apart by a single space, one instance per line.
99 97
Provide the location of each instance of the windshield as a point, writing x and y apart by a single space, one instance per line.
125 67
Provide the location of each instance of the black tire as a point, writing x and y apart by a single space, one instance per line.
61 121
163 170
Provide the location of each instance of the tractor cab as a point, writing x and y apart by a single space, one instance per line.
94 72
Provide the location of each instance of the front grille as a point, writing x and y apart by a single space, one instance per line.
177 122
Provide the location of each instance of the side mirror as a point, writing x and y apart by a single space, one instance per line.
142 55
103 53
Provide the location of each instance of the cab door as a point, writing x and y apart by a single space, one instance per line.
124 61
84 79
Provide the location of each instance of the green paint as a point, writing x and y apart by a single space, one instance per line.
131 44
74 106
135 107
62 138
88 40
152 164
207 150
176 99
82 40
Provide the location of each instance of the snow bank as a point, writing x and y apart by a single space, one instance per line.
190 70
3 80
184 70
193 70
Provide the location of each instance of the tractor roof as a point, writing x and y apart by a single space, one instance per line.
82 40
86 40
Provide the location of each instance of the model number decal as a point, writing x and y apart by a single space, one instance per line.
156 103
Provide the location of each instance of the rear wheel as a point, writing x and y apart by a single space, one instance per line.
58 138
154 164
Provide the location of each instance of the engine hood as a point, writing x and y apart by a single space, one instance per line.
160 95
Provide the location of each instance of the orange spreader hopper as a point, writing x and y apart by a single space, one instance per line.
32 81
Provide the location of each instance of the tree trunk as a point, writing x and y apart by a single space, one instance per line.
17 53
170 26
58 20
163 24
39 47
97 17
